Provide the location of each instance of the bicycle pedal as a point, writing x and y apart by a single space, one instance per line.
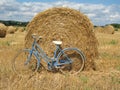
62 67
57 67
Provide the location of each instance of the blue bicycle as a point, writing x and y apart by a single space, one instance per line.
68 60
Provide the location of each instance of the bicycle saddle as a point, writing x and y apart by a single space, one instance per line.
57 42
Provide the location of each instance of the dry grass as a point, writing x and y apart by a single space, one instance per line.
109 50
106 76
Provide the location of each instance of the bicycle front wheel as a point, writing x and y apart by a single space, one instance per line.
20 64
75 59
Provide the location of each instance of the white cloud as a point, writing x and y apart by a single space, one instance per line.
115 16
106 11
91 15
6 1
98 13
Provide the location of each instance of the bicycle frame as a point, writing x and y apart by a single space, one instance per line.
41 53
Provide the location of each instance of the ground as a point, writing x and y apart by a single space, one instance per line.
105 77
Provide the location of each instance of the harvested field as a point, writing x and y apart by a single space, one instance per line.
106 76
71 27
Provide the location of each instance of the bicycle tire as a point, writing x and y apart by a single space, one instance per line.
18 63
76 56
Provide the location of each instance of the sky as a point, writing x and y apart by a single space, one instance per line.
100 12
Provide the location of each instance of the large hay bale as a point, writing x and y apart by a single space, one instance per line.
11 30
2 30
70 26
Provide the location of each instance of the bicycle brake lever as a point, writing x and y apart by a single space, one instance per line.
34 34
40 37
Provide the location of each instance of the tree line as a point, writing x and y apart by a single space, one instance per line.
14 23
115 25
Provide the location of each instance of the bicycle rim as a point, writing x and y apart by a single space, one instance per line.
19 66
77 58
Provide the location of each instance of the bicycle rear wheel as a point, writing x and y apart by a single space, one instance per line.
74 55
20 65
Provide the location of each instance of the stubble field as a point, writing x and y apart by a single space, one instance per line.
105 77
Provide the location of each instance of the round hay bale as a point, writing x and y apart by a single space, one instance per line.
68 25
109 29
98 29
11 30
21 29
104 29
2 30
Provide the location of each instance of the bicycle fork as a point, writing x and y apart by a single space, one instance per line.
29 58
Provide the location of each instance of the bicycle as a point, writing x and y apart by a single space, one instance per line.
68 60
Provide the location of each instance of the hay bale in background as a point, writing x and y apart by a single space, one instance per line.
20 29
68 25
106 29
109 29
11 30
2 30
98 29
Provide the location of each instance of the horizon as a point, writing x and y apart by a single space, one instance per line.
29 21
